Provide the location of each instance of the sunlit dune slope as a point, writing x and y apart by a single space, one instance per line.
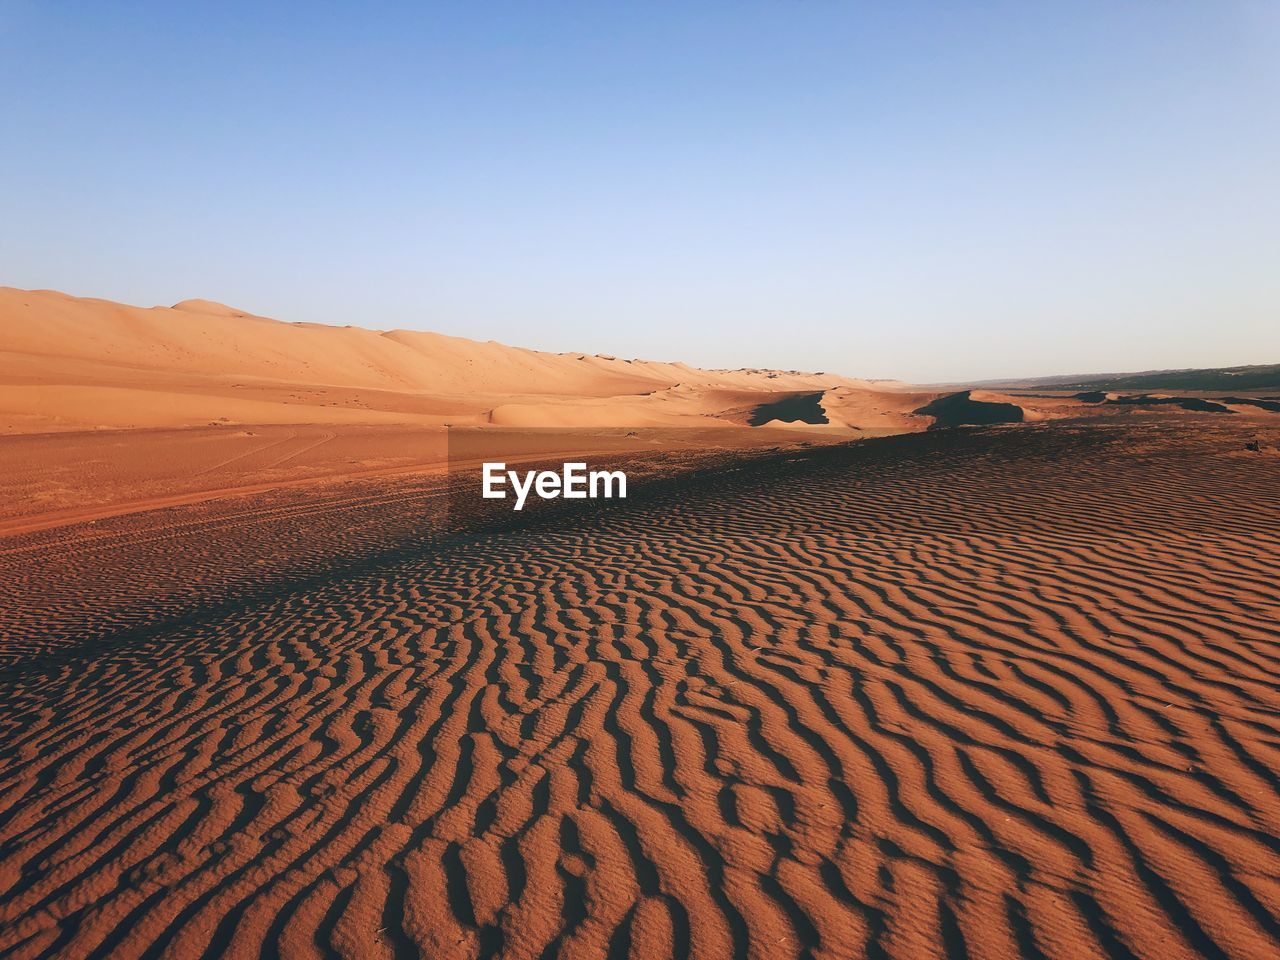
69 363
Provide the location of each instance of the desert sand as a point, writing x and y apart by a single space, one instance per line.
1002 691
70 363
107 408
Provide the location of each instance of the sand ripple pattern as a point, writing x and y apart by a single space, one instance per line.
998 694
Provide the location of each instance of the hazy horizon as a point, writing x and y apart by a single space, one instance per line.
925 194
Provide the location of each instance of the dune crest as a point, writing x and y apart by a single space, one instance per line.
69 363
211 307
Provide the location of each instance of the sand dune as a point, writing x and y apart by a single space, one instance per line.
933 695
162 406
999 680
359 401
69 363
123 383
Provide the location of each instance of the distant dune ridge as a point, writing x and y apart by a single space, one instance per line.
70 363
1263 376
108 408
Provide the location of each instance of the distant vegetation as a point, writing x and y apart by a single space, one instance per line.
1260 377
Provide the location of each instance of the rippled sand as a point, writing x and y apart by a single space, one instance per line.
1000 693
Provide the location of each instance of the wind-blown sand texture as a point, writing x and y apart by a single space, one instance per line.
1008 692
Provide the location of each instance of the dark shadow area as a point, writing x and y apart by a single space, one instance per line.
960 409
1268 404
1186 403
1264 376
805 408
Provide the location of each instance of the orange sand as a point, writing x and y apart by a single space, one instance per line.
1007 691
995 693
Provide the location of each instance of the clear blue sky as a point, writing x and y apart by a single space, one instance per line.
925 191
